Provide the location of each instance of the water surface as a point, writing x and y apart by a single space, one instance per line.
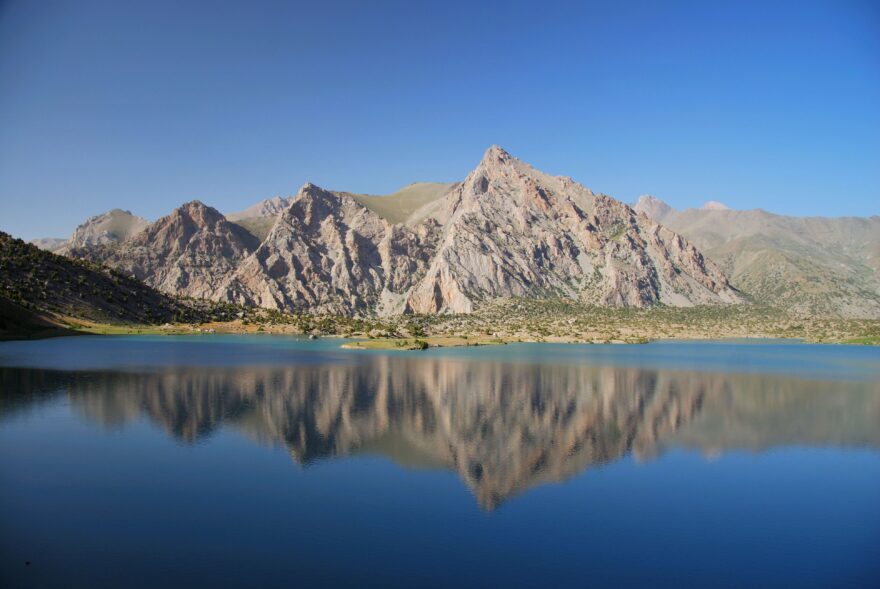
272 461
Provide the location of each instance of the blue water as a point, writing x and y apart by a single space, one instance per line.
263 461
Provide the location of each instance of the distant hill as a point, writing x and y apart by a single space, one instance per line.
397 207
190 252
111 227
815 265
50 244
40 292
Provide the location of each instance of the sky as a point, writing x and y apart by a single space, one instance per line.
146 105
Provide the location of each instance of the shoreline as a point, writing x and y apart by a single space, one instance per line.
364 343
501 323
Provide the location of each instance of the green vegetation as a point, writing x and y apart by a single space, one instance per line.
45 294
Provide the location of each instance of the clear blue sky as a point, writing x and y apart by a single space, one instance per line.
145 105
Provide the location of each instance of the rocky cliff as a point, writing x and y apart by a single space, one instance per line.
511 231
507 230
329 253
191 252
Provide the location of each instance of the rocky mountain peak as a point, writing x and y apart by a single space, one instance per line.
114 226
714 205
309 188
195 216
510 230
507 230
190 251
496 154
329 253
652 206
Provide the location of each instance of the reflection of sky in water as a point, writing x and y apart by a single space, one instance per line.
201 460
807 360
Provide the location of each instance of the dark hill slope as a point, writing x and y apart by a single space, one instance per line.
40 291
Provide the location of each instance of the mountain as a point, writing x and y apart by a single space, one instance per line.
50 244
270 207
329 253
40 292
111 227
653 207
814 265
506 231
399 206
190 252
509 230
259 218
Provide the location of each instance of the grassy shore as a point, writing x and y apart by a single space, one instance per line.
520 321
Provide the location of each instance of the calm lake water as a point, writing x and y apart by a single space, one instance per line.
258 461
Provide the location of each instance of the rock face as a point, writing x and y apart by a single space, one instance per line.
329 253
511 231
190 252
507 230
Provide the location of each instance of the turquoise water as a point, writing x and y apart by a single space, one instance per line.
266 461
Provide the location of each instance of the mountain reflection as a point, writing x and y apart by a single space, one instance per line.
502 427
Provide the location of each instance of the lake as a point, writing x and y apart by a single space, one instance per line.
268 461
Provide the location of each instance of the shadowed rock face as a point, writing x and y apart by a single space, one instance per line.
503 428
192 252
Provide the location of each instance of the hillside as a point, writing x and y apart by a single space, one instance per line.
811 265
399 206
41 293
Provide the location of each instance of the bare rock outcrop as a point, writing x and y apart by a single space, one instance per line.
507 230
329 253
190 252
512 231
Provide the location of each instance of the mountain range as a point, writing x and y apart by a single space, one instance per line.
814 265
506 230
